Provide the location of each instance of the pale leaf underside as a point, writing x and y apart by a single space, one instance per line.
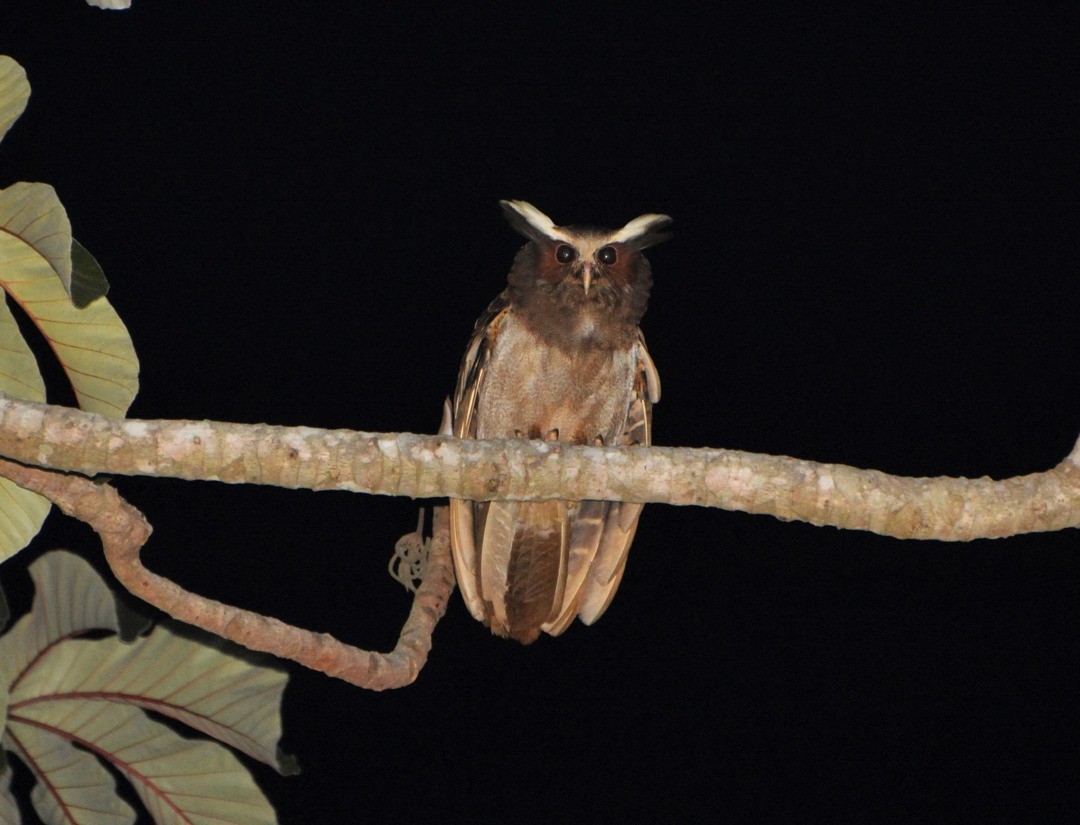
21 512
92 344
14 92
92 693
37 254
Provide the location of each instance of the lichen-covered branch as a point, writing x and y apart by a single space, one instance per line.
124 531
950 509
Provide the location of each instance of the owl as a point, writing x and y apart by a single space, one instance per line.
557 356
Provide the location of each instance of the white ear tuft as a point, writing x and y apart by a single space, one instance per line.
531 222
643 231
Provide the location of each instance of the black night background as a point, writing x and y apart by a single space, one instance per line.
875 264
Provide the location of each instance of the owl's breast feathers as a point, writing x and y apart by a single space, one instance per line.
524 567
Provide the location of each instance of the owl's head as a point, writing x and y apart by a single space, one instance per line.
584 268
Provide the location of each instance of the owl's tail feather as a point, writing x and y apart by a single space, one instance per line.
463 541
540 564
537 570
606 572
495 542
585 537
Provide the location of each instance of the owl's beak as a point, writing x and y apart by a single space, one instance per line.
586 276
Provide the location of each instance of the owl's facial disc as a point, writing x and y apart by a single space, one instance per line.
575 264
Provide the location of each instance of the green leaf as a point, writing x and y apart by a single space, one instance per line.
213 692
9 808
5 614
14 93
32 215
45 271
94 693
19 373
79 789
3 721
69 598
87 277
179 780
92 344
21 512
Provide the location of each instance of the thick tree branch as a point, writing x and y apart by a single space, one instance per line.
949 509
124 531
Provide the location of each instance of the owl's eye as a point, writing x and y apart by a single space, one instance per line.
607 255
565 254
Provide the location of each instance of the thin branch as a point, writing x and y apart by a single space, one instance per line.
124 531
948 509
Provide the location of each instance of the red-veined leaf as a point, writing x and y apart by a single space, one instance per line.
94 693
92 343
14 93
21 512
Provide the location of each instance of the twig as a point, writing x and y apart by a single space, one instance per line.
124 531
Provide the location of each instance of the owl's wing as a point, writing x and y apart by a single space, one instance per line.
464 513
603 531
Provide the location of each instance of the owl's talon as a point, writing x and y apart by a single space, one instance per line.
553 435
598 441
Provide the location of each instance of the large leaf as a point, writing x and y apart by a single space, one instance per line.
19 373
94 692
21 512
92 344
42 267
3 720
78 790
9 808
70 598
88 281
34 216
14 92
74 265
179 780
